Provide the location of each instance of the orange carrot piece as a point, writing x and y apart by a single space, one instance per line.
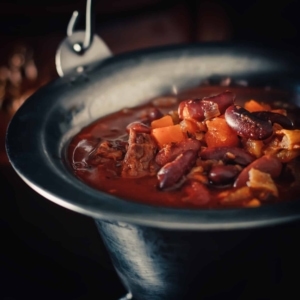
253 203
162 122
253 105
167 135
189 126
220 134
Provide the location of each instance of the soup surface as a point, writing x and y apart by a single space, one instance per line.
207 147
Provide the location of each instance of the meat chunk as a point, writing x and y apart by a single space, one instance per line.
139 158
107 150
111 149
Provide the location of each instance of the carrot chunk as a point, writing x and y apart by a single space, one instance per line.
162 122
219 134
253 203
189 126
168 134
253 105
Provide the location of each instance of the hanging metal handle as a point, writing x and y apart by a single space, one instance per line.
89 28
80 48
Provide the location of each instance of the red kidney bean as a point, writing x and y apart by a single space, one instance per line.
197 193
221 174
138 127
228 154
267 164
206 108
150 115
246 124
170 152
154 113
172 172
280 119
197 110
223 100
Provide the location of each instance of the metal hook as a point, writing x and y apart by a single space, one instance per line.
80 47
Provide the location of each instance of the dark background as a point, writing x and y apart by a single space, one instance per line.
48 252
251 20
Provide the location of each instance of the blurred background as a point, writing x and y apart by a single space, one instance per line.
47 251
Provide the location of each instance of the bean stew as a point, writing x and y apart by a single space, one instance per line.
207 147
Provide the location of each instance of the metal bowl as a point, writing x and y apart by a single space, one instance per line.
42 127
160 242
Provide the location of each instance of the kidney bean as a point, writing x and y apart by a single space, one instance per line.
138 127
280 119
171 151
223 100
267 164
220 174
197 110
165 101
207 108
150 115
246 124
154 113
228 154
173 171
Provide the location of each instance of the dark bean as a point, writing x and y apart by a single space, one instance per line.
246 124
222 174
197 110
280 119
154 114
172 172
205 109
223 100
228 154
267 164
138 127
171 151
165 101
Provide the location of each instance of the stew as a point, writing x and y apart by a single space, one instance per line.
206 147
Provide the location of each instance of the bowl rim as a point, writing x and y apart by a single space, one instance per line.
66 190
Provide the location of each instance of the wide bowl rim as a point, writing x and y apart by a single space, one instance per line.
115 209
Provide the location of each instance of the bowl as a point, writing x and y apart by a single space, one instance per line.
159 252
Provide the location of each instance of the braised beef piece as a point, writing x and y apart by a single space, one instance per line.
114 150
139 158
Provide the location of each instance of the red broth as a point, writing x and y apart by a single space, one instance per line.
97 154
